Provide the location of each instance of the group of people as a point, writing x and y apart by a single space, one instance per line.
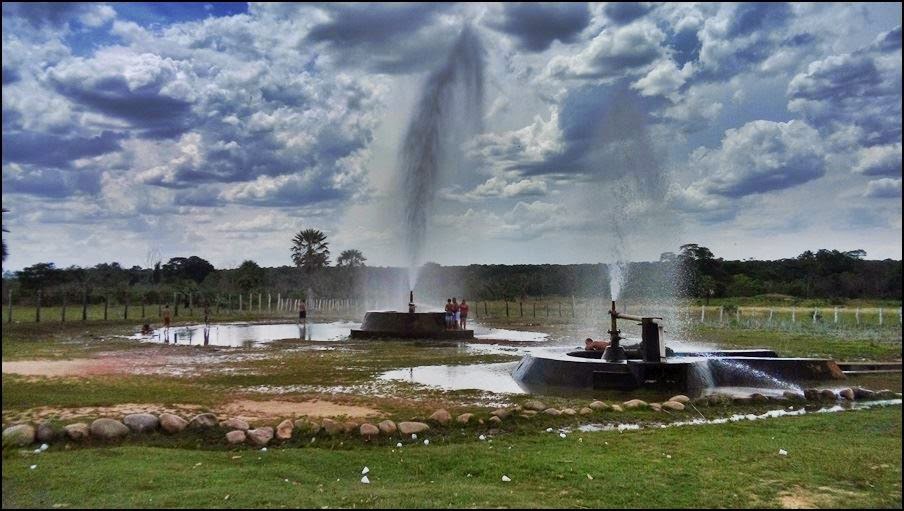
456 314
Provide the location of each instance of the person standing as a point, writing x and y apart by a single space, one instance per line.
449 314
463 312
455 312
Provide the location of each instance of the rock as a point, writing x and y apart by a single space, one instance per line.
19 435
332 427
673 405
585 411
847 394
235 424
827 395
681 398
792 395
77 431
742 400
464 418
552 411
599 405
203 421
308 426
388 427
756 397
172 423
617 408
46 433
369 430
718 399
441 416
861 393
350 426
141 422
811 394
260 436
569 411
407 428
885 394
533 404
517 408
635 403
495 420
528 414
108 429
656 407
237 436
501 413
284 430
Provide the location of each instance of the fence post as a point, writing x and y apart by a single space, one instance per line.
738 316
38 308
84 304
535 308
63 312
125 311
547 308
880 316
191 305
485 313
521 308
835 319
857 315
144 301
793 314
259 297
506 309
815 313
721 313
268 304
218 304
240 302
702 314
159 310
106 305
560 309
9 316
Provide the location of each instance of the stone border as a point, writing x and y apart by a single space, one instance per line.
238 431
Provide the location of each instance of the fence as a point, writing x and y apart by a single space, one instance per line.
181 305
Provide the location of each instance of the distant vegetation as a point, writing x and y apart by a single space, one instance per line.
693 271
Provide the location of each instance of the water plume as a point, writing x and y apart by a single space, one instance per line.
448 113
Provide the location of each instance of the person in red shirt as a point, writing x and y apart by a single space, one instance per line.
463 311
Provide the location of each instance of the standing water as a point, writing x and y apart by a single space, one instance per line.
448 113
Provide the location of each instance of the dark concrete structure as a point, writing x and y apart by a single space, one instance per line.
651 364
407 325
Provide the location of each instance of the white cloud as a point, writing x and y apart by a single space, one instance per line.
885 188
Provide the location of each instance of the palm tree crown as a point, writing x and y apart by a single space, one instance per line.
310 250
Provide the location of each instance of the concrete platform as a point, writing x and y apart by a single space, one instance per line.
405 325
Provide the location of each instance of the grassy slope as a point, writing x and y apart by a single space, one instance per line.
835 460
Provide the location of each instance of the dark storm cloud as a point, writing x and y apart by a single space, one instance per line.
144 108
41 14
622 13
750 17
51 183
861 89
51 150
536 25
595 122
386 38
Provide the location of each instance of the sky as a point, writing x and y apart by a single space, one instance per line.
611 131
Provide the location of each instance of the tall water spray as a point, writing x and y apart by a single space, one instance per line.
448 113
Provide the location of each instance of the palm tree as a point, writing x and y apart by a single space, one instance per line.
310 250
351 258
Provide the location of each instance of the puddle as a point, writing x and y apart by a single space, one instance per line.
789 412
487 377
509 335
245 334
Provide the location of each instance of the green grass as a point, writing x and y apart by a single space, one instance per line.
803 344
835 460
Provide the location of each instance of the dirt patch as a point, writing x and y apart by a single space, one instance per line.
248 409
802 498
60 368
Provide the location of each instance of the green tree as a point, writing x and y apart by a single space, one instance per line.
191 268
351 258
310 250
249 276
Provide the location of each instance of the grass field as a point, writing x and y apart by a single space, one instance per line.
835 460
850 459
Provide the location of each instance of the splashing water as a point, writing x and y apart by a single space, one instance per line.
448 113
760 377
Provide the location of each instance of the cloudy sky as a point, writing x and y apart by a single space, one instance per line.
133 132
